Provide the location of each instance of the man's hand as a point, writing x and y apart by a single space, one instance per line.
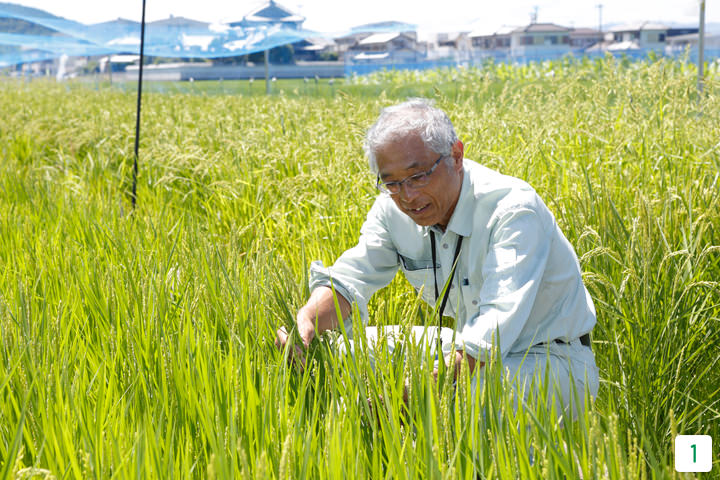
306 325
455 363
306 330
296 355
315 317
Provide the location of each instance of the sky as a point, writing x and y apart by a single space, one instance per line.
428 15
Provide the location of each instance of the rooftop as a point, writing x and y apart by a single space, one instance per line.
542 28
504 30
379 38
273 12
635 27
173 21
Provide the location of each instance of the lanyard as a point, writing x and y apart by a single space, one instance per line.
452 272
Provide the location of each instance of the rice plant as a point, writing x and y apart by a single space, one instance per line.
141 344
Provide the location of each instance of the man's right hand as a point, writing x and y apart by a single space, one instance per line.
318 312
306 330
306 324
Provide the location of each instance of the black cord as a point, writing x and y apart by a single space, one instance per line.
139 103
458 245
434 260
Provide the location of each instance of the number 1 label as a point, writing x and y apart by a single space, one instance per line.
693 453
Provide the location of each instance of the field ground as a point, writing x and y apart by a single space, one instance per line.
140 344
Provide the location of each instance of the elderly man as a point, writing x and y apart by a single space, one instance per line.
513 279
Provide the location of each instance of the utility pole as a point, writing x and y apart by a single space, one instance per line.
701 47
267 71
534 15
599 7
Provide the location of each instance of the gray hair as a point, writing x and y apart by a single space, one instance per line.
417 115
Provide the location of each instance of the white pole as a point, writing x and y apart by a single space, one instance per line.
701 47
267 72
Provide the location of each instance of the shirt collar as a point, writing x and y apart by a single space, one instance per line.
461 219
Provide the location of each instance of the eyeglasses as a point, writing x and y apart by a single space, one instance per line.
413 181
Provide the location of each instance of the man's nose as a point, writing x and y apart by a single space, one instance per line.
407 194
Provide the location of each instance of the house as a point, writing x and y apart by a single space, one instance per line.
117 63
271 13
536 40
679 44
459 41
582 39
455 46
120 32
313 49
393 47
249 30
178 24
350 40
540 40
120 24
639 37
380 42
498 40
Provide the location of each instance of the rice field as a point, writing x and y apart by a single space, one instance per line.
139 344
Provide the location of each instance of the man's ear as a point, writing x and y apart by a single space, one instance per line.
458 152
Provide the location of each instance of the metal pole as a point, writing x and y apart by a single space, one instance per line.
701 47
139 103
267 72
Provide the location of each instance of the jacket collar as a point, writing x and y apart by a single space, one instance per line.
461 219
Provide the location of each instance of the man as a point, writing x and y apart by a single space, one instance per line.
514 279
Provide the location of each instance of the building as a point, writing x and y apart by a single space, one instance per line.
639 37
679 44
314 49
350 40
459 41
533 41
450 46
498 40
395 47
178 24
540 40
271 13
582 39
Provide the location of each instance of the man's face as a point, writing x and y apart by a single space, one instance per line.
435 202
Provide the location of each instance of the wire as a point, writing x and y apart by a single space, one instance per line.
139 104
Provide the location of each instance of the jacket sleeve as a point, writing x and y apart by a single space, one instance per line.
517 256
363 269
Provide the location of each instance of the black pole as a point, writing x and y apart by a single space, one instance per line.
139 103
701 48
